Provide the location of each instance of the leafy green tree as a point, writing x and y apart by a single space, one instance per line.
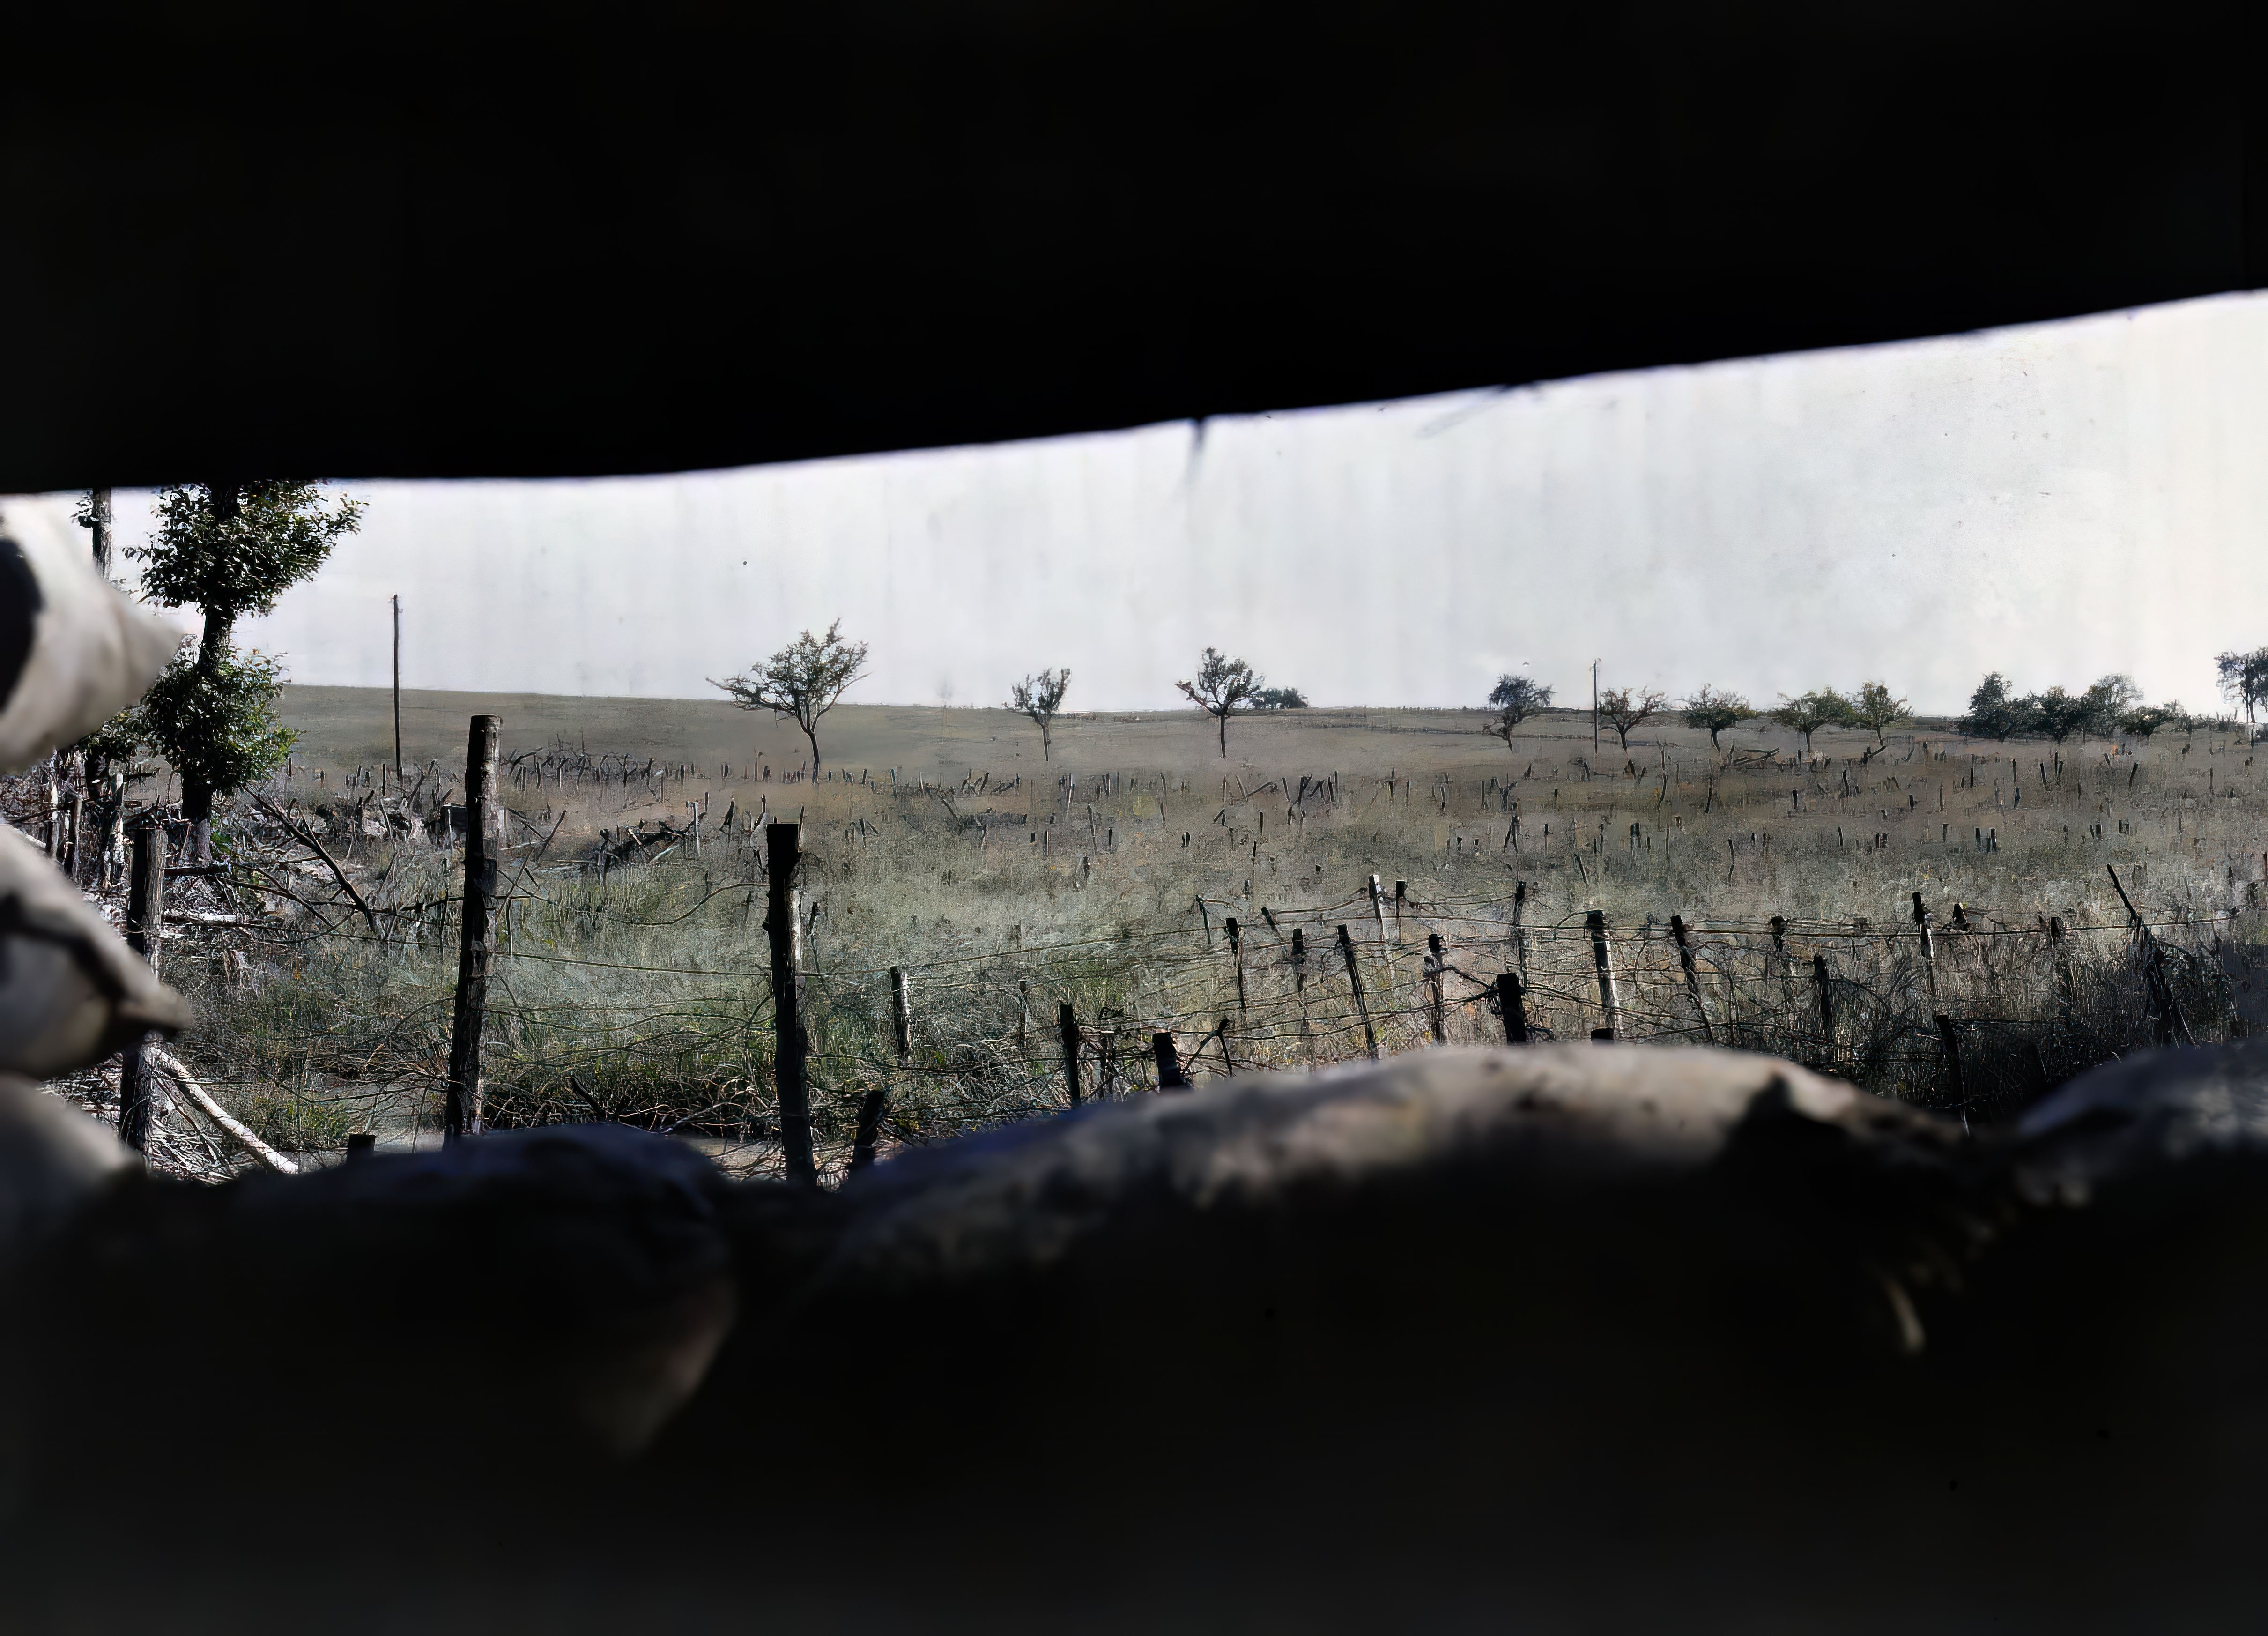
1716 709
1279 698
1040 696
1223 684
1993 711
1807 712
2057 713
2144 719
804 680
1878 709
1515 699
1625 709
229 551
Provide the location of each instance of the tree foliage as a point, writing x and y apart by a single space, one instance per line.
1716 709
229 551
1039 695
1515 699
1279 698
2110 700
1807 712
1878 709
803 681
1223 685
1625 709
2244 679
1994 712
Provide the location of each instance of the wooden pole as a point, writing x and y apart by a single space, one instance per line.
1928 947
1236 952
1518 914
870 1128
461 1113
1824 986
901 1011
1170 1076
1602 958
1067 1029
1513 1004
790 1047
397 686
2065 991
1434 1001
1692 976
1299 989
145 911
1354 981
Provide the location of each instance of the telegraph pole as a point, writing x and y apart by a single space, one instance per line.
1594 707
397 685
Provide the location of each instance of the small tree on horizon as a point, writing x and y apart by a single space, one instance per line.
1040 696
1279 698
1515 699
803 681
230 550
1716 709
1807 712
2244 679
1878 708
1223 684
2109 701
2057 713
1625 710
2144 719
1993 711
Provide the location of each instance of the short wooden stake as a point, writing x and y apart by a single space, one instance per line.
1236 952
1692 976
1170 1077
1511 1001
1602 958
1434 1002
901 1011
1824 985
1354 981
1067 1028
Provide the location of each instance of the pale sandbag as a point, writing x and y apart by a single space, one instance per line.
71 992
52 1160
74 652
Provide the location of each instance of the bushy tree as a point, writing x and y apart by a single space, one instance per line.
2057 713
1279 698
1223 685
1515 699
230 550
1716 709
1878 709
2144 719
1625 709
2110 700
1040 696
1994 712
2244 679
1807 712
803 681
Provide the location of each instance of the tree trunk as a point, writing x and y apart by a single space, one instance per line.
1045 753
1224 736
812 733
197 795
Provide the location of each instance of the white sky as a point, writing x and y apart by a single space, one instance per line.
2054 501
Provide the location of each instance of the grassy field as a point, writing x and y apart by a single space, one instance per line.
940 841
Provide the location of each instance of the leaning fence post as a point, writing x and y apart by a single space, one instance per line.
1299 989
145 914
1511 1002
1692 976
1236 952
783 849
1067 1028
1434 999
2065 988
1354 981
1170 1077
476 930
1602 957
1928 946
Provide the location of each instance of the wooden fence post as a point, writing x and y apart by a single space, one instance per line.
1354 981
1067 1028
1692 976
1779 957
1820 982
1236 954
1952 1043
1434 999
1511 1002
2065 990
1300 990
1378 909
1928 947
145 915
901 1011
784 922
1518 913
1170 1077
1602 957
477 925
